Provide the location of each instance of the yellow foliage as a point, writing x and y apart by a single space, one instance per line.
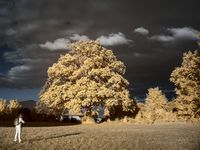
155 99
187 81
13 106
84 78
155 108
2 106
10 109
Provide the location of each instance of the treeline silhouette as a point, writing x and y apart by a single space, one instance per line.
10 109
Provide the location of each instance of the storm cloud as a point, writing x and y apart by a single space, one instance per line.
149 37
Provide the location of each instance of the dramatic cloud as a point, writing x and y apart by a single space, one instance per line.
178 34
16 75
19 76
14 71
30 66
58 44
141 31
114 39
35 33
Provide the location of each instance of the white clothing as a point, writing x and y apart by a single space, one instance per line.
18 130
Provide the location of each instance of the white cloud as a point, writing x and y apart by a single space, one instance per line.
15 71
114 39
58 44
141 31
162 38
178 34
184 33
63 43
77 37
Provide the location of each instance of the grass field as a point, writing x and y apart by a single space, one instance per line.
107 136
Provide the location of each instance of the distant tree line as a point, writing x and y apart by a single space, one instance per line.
9 109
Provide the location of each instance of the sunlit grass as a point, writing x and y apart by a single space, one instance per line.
104 136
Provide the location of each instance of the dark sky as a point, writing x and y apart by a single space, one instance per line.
148 36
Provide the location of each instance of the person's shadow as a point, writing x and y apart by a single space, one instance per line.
52 137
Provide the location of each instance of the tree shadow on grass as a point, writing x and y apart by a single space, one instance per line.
53 137
38 124
49 124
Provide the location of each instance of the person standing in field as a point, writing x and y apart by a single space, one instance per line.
18 127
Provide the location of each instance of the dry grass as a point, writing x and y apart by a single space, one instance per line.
112 136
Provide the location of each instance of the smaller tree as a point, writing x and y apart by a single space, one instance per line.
156 103
187 81
156 107
155 99
13 108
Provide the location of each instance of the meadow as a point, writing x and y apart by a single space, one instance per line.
112 136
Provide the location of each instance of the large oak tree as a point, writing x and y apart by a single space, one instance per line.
87 77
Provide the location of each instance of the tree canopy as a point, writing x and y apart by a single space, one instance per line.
187 81
87 77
